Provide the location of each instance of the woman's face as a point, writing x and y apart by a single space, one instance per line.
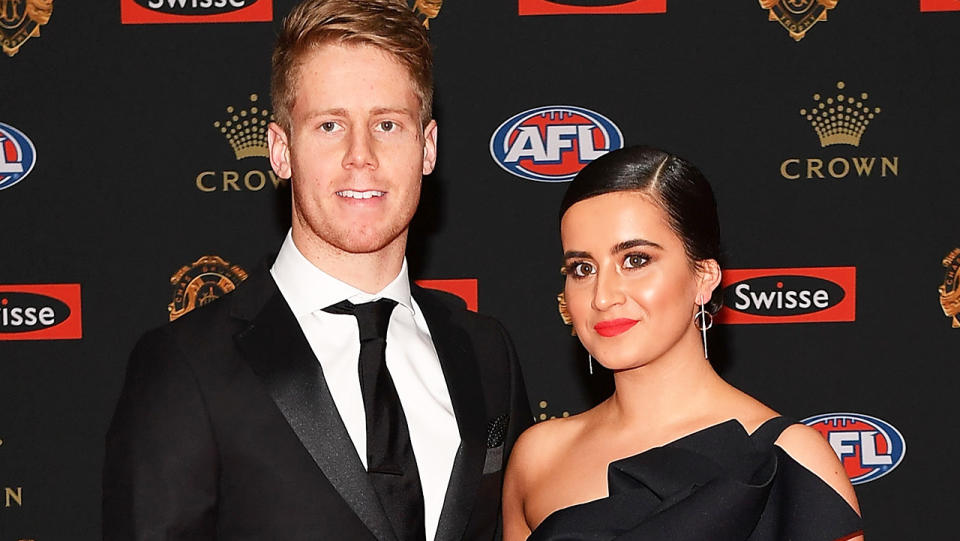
630 288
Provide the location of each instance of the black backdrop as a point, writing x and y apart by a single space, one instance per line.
122 119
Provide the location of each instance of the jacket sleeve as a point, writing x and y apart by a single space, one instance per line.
160 469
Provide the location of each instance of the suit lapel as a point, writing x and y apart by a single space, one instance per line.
280 355
459 366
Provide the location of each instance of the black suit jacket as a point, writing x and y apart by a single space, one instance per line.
225 429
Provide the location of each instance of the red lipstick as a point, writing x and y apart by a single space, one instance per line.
613 327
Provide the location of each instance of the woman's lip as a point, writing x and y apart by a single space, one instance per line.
613 327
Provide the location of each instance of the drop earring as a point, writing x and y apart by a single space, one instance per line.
590 361
703 321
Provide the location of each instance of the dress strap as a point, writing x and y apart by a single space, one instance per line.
770 430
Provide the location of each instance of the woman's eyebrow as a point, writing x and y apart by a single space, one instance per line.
572 254
633 243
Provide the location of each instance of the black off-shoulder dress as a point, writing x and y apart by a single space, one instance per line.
717 484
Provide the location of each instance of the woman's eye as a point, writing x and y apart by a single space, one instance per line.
387 125
582 269
634 261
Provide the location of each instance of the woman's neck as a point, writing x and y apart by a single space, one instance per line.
668 389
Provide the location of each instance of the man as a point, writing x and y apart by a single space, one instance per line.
283 412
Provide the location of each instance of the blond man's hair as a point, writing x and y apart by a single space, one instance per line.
389 25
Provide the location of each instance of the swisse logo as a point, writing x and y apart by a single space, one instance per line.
939 5
40 312
195 11
17 156
588 7
553 143
785 295
869 448
195 7
21 312
797 295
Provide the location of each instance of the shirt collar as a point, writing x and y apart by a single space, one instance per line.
308 289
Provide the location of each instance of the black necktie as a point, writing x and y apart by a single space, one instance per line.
391 465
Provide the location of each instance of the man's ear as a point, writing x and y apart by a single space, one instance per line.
710 277
429 147
279 150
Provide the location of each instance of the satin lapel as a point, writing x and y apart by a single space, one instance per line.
463 382
280 355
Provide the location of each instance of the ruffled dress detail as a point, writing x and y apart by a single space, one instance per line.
717 484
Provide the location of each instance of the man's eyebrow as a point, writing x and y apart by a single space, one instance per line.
392 110
633 243
337 111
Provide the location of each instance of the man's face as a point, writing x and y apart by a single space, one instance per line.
356 152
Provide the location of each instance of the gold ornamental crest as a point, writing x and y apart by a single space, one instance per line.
202 282
798 16
950 289
427 9
21 20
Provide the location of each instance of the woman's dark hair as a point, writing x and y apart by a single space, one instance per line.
675 184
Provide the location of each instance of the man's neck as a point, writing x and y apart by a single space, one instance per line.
368 272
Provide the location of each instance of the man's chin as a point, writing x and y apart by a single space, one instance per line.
359 243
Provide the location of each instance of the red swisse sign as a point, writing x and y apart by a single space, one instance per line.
589 7
195 11
465 288
792 295
939 5
40 312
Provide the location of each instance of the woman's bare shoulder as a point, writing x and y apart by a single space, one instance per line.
544 443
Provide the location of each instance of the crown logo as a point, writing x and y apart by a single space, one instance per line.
798 16
840 119
246 130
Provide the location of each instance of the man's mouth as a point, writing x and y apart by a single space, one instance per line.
365 194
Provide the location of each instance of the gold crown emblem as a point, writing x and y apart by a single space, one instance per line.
840 119
428 9
246 130
202 282
798 16
950 289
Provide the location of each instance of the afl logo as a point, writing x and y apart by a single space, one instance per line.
869 448
794 295
553 143
17 156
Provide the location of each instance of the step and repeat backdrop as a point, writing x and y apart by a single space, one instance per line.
134 187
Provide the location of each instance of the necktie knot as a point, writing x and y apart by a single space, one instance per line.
372 317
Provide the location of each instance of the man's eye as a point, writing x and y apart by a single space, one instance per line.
634 261
387 125
328 126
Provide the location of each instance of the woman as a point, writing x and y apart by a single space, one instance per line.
676 453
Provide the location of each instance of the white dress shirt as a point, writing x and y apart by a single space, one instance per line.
411 359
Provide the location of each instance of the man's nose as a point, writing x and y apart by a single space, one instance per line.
360 151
